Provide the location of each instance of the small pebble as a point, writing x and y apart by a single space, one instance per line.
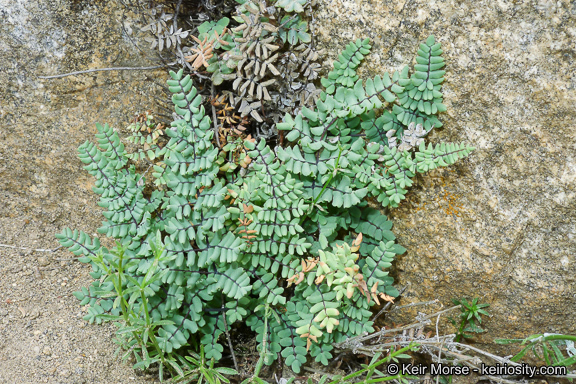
47 351
43 262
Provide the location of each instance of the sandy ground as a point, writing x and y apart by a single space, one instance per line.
43 338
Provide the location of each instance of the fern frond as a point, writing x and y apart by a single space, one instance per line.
79 243
344 72
280 238
422 89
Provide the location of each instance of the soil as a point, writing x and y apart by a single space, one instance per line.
43 338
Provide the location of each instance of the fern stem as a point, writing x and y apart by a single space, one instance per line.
329 179
151 333
264 338
228 336
118 285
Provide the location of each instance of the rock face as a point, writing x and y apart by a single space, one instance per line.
44 187
500 225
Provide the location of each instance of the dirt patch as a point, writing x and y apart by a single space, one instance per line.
43 337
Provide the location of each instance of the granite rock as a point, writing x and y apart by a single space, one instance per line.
499 225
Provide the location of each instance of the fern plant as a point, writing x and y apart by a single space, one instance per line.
285 243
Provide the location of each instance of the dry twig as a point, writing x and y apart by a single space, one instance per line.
31 249
105 69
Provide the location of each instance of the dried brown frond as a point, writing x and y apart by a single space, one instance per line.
308 265
296 279
202 55
218 100
240 128
141 124
248 236
142 117
231 127
219 37
226 115
309 339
